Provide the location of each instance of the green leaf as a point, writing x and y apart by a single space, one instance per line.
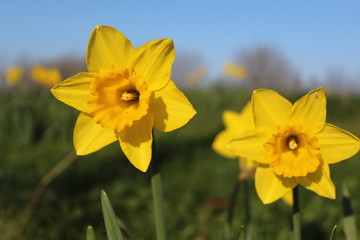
242 233
90 235
332 237
111 224
349 218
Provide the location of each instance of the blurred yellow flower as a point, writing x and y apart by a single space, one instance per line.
13 75
46 76
236 124
194 79
235 70
293 144
125 94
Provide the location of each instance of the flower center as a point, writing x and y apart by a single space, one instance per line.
292 142
293 151
130 95
118 98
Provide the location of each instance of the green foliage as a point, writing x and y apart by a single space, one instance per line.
111 224
36 133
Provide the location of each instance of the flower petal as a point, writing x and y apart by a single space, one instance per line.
270 109
90 136
319 182
153 61
107 46
310 110
337 144
171 108
250 146
136 142
220 144
271 187
74 91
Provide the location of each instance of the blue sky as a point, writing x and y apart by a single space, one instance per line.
314 35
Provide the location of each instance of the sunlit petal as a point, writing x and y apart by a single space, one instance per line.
89 136
310 110
153 61
271 187
250 146
337 144
171 108
270 109
108 47
136 142
319 182
74 91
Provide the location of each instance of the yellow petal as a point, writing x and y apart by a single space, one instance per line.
89 136
240 123
250 146
153 61
270 109
319 182
136 142
271 187
337 144
310 110
171 108
107 47
220 144
288 198
74 91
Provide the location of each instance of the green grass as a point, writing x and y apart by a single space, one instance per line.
36 133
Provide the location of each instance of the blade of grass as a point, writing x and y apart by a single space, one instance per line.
332 237
348 218
242 233
57 170
90 235
111 224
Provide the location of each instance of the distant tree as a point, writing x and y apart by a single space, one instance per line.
267 68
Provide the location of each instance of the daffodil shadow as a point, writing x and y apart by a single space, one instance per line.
139 133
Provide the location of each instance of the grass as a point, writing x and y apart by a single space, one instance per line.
36 133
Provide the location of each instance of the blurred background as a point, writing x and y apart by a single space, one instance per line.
224 51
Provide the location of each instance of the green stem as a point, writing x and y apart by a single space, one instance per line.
157 194
296 214
247 209
233 202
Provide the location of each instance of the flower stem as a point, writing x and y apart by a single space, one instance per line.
296 214
232 202
247 209
157 194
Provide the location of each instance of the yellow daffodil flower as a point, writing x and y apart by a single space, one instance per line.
46 76
125 93
235 70
13 75
293 144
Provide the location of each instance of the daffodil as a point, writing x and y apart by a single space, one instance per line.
235 70
125 93
13 75
293 144
46 76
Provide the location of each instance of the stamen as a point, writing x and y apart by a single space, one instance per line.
131 95
292 142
